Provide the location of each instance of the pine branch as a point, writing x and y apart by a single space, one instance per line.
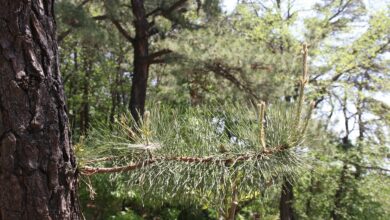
88 170
227 72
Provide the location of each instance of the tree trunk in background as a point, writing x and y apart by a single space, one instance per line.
339 193
286 210
37 165
286 201
84 111
114 90
114 99
141 63
342 183
312 193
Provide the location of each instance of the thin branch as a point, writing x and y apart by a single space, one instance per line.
62 35
155 12
122 30
234 204
88 170
159 53
117 24
100 17
225 71
340 10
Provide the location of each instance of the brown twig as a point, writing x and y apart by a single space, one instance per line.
234 204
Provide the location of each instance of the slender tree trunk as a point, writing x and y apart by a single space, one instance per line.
84 111
311 193
342 188
339 193
286 201
37 165
114 99
361 127
115 96
141 63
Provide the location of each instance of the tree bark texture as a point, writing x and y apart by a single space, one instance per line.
38 178
141 62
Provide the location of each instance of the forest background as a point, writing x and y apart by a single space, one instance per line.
208 55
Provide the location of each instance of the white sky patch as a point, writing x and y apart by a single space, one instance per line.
375 5
383 97
228 5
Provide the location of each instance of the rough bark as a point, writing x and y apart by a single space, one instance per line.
140 62
286 201
37 166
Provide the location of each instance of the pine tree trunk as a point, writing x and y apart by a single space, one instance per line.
37 165
286 210
141 63
286 201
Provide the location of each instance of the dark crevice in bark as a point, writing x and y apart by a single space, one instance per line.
2 132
